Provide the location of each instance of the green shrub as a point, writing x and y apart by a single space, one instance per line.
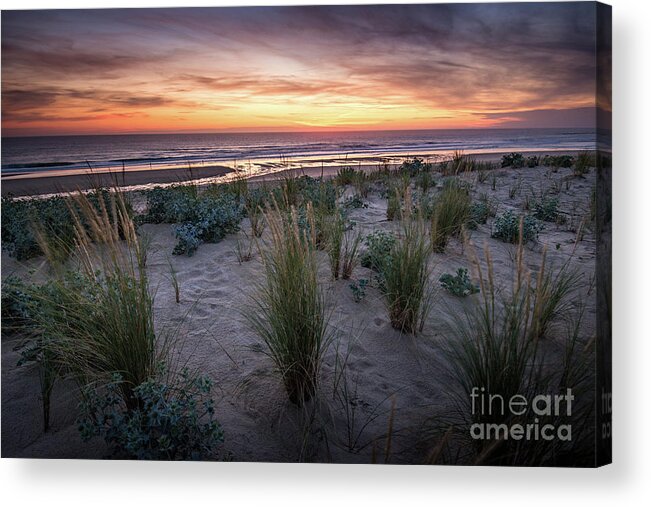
32 227
378 250
546 209
479 213
171 422
358 289
515 160
533 161
414 166
507 227
459 284
557 161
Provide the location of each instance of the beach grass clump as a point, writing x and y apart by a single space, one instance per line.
564 161
289 311
362 183
459 284
174 419
394 204
451 213
345 176
459 164
100 321
406 278
584 161
512 228
514 160
553 296
495 351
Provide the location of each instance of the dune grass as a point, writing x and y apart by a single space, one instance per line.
289 311
103 323
496 346
406 278
451 213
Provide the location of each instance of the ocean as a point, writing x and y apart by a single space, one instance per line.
262 152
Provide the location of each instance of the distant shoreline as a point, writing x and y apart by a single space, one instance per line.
39 185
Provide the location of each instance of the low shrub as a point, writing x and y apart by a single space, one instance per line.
460 284
171 421
415 166
533 161
507 227
514 160
557 161
378 249
546 209
479 213
358 289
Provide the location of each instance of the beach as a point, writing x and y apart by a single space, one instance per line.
398 384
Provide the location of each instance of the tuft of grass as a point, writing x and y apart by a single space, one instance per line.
584 161
451 213
290 311
406 278
495 349
345 176
103 324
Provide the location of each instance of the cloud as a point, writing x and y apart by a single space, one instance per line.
479 60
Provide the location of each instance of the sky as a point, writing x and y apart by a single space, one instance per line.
298 68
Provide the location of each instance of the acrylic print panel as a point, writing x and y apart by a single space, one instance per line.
347 234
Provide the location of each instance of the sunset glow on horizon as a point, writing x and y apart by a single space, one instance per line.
298 68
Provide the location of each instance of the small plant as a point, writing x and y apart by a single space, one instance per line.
514 160
378 249
451 213
244 248
533 161
355 202
393 204
479 213
171 422
482 176
459 284
509 228
406 279
359 289
345 176
546 209
289 311
361 182
514 189
350 253
584 161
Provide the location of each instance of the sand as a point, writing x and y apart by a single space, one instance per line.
27 184
384 366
